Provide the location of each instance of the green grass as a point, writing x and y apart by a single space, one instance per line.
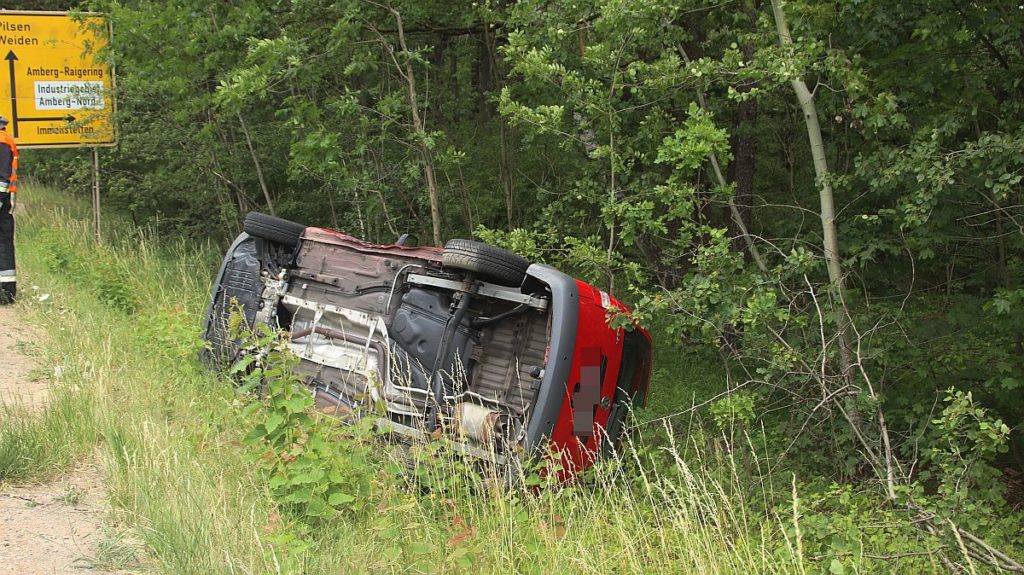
123 321
38 446
114 552
167 429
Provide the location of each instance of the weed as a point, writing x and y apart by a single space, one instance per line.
54 250
315 469
115 552
113 286
71 495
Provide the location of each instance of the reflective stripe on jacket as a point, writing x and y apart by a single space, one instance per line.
7 140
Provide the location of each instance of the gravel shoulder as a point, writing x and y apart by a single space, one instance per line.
54 527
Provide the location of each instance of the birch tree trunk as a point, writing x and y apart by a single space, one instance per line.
826 200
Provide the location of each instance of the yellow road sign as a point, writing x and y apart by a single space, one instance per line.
53 88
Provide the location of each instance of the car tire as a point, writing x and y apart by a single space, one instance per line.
237 281
490 262
278 230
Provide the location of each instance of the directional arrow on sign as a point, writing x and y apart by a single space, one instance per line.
11 58
68 118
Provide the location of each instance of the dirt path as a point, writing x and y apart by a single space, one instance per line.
19 349
55 527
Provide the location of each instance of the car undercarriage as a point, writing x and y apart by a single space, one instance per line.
505 357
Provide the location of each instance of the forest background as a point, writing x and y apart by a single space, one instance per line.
816 206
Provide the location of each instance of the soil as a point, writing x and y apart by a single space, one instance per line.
19 349
54 527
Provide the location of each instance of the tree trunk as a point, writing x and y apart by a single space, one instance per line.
485 74
418 127
734 211
828 211
491 80
745 146
256 163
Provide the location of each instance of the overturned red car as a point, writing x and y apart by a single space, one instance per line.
509 360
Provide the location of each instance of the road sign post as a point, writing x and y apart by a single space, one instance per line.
96 192
60 92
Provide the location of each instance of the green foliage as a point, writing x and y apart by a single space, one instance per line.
55 251
113 286
314 469
736 409
172 331
960 458
101 270
690 146
848 532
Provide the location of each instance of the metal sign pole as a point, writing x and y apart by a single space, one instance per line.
96 192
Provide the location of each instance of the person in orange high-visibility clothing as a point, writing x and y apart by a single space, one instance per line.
8 186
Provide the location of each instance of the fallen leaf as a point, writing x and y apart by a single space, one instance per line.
466 534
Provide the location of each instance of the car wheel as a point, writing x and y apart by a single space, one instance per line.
237 285
275 229
490 262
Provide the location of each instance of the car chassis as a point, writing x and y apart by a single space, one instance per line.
510 360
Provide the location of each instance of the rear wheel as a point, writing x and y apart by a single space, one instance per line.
278 230
488 261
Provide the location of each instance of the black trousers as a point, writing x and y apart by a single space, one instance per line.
8 287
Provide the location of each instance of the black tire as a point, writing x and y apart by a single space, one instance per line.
237 283
275 229
492 263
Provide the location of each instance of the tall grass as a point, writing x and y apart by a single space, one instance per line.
123 320
36 446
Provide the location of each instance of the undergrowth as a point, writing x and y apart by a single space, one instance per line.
211 478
